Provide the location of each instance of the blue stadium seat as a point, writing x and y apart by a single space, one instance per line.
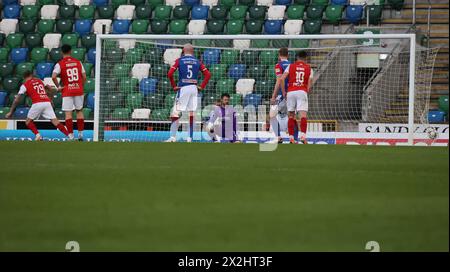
90 101
3 96
121 26
100 3
252 99
11 11
44 69
21 113
339 2
91 56
83 27
283 2
200 12
211 56
273 26
354 13
19 55
148 85
436 116
10 2
191 2
237 71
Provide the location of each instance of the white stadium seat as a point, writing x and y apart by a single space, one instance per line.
8 26
245 86
98 26
141 114
210 3
140 70
49 81
293 27
276 12
197 27
171 55
79 2
52 40
241 44
27 2
173 3
49 12
126 44
125 12
358 2
266 3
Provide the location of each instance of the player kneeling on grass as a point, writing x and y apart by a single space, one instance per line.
73 76
35 89
299 76
187 89
222 125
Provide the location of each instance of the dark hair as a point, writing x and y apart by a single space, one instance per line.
225 95
27 73
65 48
301 55
284 52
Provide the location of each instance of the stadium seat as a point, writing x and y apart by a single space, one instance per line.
164 85
163 12
79 53
2 38
276 12
57 100
139 26
300 44
191 2
100 3
121 113
117 3
283 2
23 67
443 103
86 12
181 12
88 67
280 43
215 26
121 26
52 40
396 4
19 55
80 3
314 12
3 112
134 100
55 54
244 86
98 26
38 54
235 26
211 56
127 44
257 12
148 85
91 56
436 116
70 39
49 12
260 43
173 3
219 12
200 12
154 3
21 113
11 84
171 55
160 114
266 3
319 2
11 11
273 26
88 41
312 26
238 12
354 13
196 27
107 12
14 40
64 26
3 96
44 69
30 12
89 85
33 40
247 2
293 27
237 71
249 56
45 26
339 2
67 12
6 69
256 71
222 43
210 3
177 27
229 57
140 70
241 44
333 13
83 27
227 3
218 71
49 81
128 85
268 57
159 26
252 100
375 13
27 26
254 26
8 26
225 86
125 12
235 99
302 2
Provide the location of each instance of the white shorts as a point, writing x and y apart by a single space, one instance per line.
297 101
186 99
70 103
282 107
42 108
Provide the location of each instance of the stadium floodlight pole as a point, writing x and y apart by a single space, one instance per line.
405 36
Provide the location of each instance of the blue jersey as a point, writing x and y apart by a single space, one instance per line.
188 70
280 67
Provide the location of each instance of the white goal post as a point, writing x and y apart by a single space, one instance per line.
408 38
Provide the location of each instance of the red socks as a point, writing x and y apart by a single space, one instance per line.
291 126
303 125
32 127
80 124
69 125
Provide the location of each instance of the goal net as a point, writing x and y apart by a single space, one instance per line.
366 86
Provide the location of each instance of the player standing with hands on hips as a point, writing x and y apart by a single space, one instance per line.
73 76
187 89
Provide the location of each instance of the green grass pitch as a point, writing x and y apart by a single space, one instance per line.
222 197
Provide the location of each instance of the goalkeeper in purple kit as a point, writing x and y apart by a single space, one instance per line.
222 123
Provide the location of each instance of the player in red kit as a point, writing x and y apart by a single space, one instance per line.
73 76
300 77
35 89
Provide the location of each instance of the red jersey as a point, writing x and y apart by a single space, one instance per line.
71 72
35 89
299 75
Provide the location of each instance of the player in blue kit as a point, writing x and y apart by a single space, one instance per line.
188 67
